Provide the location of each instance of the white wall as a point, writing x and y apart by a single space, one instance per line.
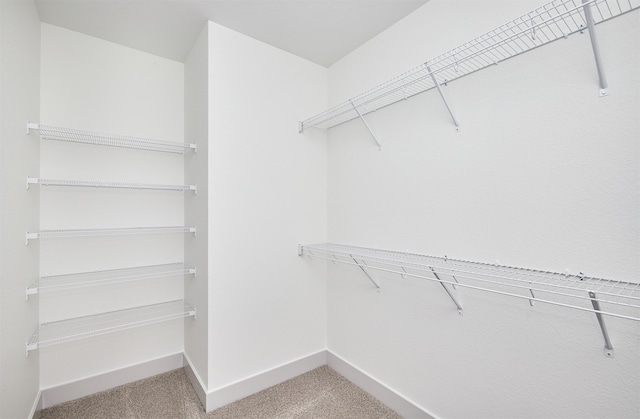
544 174
19 84
92 84
196 251
267 187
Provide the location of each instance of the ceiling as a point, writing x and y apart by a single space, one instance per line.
322 31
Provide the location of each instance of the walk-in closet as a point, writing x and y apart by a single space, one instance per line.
442 208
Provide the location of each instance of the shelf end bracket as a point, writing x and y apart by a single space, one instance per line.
444 99
364 121
608 347
29 347
30 126
604 87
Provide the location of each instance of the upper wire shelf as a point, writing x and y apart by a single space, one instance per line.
553 21
42 234
115 185
616 298
63 331
50 132
53 283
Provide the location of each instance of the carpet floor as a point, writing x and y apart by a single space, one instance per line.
321 393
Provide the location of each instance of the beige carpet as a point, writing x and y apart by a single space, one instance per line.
321 393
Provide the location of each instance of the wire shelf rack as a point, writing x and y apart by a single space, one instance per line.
101 232
64 331
53 283
615 298
50 132
553 21
116 185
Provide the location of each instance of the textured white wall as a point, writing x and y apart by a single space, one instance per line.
92 84
267 188
19 209
544 174
196 250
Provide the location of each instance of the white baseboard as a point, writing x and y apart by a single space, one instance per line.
196 380
37 406
235 391
405 407
87 386
231 392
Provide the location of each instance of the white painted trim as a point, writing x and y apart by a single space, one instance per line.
37 406
242 388
196 381
234 391
97 383
405 407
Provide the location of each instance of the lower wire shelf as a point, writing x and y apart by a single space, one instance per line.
602 297
69 330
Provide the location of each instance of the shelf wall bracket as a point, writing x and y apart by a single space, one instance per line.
30 347
30 291
444 99
453 298
608 347
365 272
364 121
30 126
604 87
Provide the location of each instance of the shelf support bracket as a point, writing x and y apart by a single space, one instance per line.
604 87
364 121
30 291
453 298
29 347
30 126
608 347
444 99
365 272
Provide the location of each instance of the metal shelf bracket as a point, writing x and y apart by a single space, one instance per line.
608 347
30 291
364 121
365 272
30 126
604 88
444 99
29 347
453 298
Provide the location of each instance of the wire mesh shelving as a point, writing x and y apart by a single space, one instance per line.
113 185
69 330
53 283
50 132
602 297
553 21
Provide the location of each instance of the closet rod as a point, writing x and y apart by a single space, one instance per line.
115 185
50 132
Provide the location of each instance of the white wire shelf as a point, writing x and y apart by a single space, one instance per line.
50 132
602 297
116 185
617 298
64 331
53 283
553 21
100 232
